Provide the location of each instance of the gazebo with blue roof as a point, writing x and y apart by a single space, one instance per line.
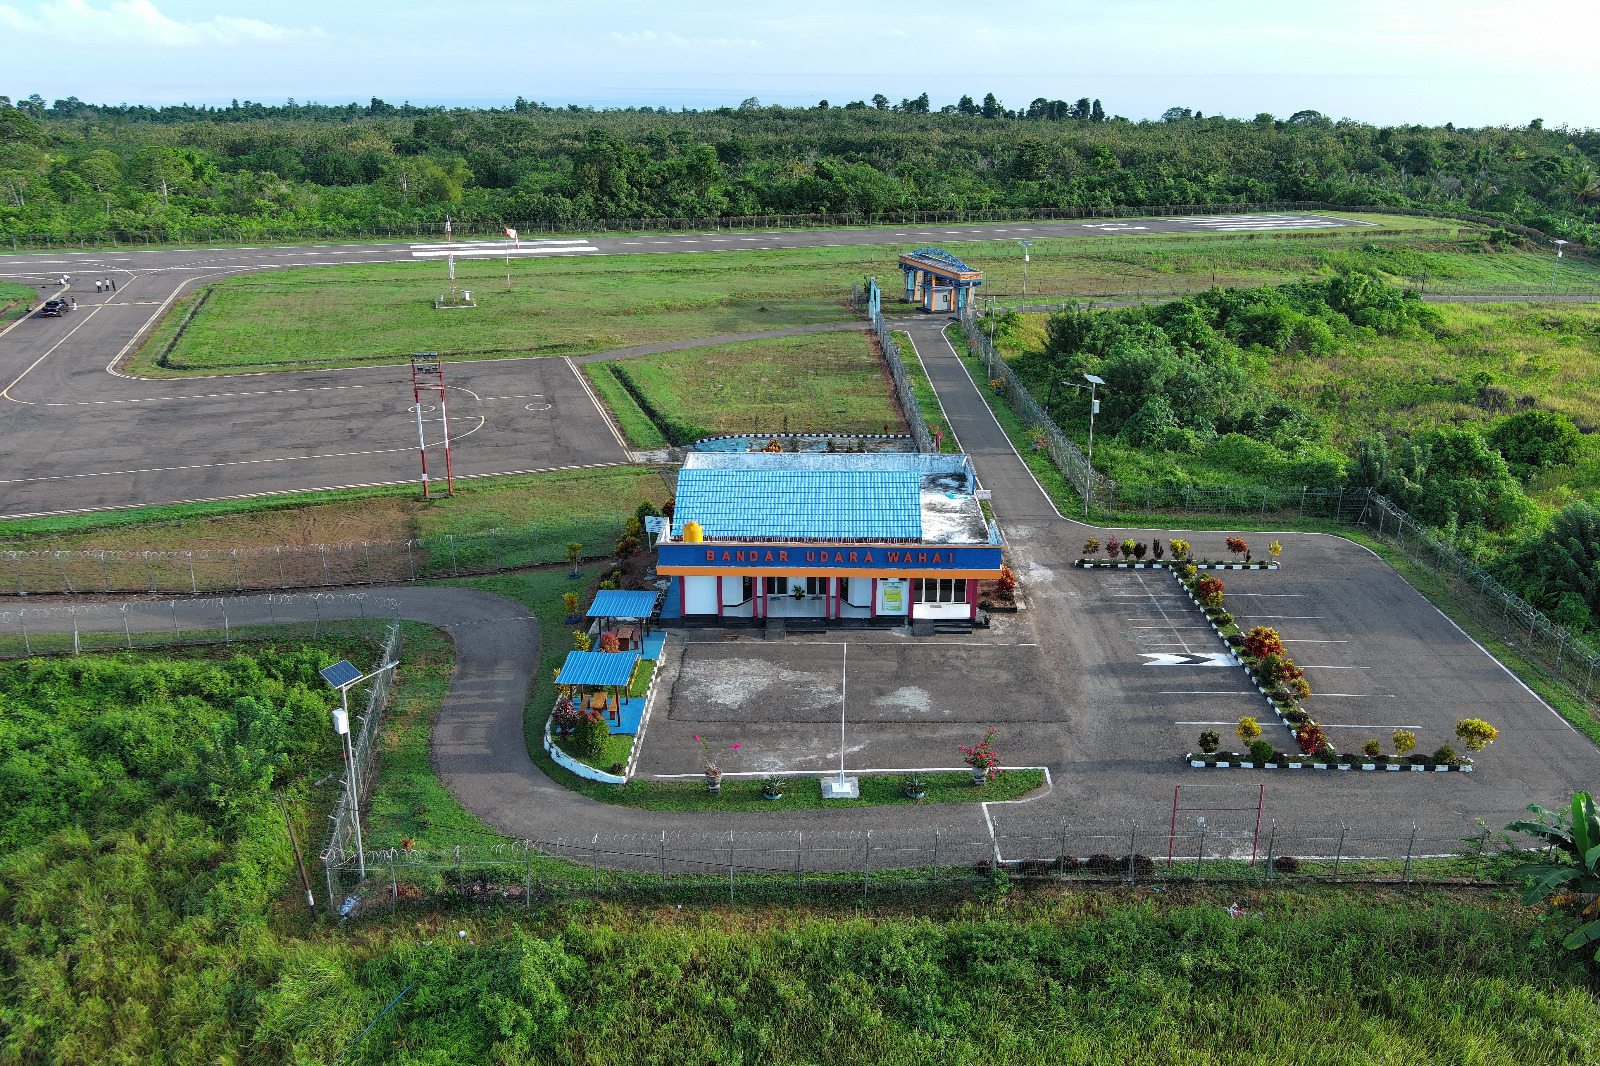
881 537
939 281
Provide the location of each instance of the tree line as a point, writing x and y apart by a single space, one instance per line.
76 167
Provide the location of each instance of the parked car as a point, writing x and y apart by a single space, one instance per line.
55 308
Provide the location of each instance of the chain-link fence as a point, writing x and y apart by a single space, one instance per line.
884 862
344 840
897 370
1511 619
211 570
89 627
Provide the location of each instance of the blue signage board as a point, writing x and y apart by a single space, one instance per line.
800 559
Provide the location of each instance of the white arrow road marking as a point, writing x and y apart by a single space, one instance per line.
1195 658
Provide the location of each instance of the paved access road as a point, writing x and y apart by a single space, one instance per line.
80 435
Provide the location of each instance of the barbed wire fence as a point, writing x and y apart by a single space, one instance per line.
212 570
94 627
889 863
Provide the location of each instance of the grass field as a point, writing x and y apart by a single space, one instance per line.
381 313
14 301
397 513
823 382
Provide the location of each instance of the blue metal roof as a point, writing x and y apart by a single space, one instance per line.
597 668
800 504
610 603
942 256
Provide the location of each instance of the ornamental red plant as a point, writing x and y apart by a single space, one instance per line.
1261 642
1007 582
609 642
1279 669
1237 545
1209 589
982 755
1309 737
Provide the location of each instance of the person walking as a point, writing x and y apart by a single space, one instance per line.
97 285
113 284
74 300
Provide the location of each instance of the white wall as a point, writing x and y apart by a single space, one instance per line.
699 595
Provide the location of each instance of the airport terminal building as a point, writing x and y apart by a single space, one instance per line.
847 538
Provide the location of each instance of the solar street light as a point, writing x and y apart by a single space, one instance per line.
343 675
1556 267
1094 409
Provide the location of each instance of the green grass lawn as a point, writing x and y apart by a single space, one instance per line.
631 419
927 398
395 513
14 301
823 382
803 793
381 313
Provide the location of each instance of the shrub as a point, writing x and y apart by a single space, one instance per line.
609 642
1006 584
1209 590
1277 669
1248 730
570 601
1475 733
1209 739
1445 755
1261 642
1067 863
1372 748
1309 737
1234 639
1261 751
1112 547
1036 867
1238 546
1102 864
1156 549
1139 550
982 755
1090 546
1143 865
1298 687
1180 549
1223 618
1126 547
574 552
1188 572
1285 864
566 715
590 736
1274 549
1404 741
581 640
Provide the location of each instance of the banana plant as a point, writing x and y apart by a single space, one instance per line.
1570 874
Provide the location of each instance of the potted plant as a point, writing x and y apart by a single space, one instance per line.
772 788
915 787
574 553
713 772
570 601
982 758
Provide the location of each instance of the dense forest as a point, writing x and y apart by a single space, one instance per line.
72 167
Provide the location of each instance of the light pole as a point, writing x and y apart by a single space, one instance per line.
1094 409
1025 246
1556 267
342 675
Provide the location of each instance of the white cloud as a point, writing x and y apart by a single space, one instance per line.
141 22
650 39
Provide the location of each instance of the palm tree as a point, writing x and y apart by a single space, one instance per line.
1582 186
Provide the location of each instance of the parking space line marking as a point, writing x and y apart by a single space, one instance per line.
1336 668
1354 695
1292 617
1304 640
1204 692
1269 595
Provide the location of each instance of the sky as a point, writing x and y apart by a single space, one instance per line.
1423 61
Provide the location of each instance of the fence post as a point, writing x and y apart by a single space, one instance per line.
411 562
799 852
366 549
662 855
23 621
66 589
461 873
594 859
105 575
1409 848
866 869
175 633
17 569
73 611
227 637
935 858
194 590
322 552
1339 855
494 546
1131 835
730 866
527 875
454 569
127 635
394 884
1272 840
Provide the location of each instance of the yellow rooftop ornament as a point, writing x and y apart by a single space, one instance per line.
692 533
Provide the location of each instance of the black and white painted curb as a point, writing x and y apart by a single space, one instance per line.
1234 761
1096 564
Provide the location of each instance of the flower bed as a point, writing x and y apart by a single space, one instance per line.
1168 564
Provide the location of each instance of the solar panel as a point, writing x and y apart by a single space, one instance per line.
340 674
